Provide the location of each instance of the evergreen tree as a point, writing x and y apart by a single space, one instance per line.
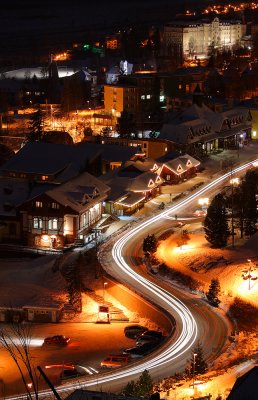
125 124
142 388
249 186
36 126
214 292
197 363
130 389
144 384
215 224
150 244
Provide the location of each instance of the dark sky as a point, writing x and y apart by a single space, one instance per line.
35 26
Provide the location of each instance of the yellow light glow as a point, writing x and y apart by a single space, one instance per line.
203 201
45 238
185 247
234 181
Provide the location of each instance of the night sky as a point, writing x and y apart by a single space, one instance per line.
31 26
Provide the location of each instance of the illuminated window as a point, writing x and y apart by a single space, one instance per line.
37 223
52 223
55 206
148 96
39 204
44 177
180 86
143 97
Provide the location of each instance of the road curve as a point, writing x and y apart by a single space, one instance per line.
189 314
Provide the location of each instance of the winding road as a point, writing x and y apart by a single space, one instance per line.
195 319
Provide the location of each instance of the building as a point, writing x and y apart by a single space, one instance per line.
132 185
137 94
179 169
59 216
246 386
198 130
80 394
196 38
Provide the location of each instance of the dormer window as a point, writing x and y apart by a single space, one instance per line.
39 204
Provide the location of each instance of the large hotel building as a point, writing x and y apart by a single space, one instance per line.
191 39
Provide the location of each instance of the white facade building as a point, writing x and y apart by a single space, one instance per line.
196 38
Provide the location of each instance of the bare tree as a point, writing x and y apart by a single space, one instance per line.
15 339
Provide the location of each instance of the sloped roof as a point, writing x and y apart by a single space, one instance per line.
145 181
143 165
245 387
79 192
12 193
49 158
130 199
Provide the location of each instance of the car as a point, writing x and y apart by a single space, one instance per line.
148 339
140 351
115 360
155 334
132 331
57 339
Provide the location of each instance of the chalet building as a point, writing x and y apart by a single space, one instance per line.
131 186
198 130
179 169
51 203
64 214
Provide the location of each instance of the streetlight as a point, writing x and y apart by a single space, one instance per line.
194 361
104 289
249 274
233 182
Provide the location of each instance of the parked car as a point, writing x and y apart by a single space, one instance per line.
155 334
148 339
115 360
57 339
132 331
140 351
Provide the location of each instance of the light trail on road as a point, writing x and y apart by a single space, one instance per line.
158 295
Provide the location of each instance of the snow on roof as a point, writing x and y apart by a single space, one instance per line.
80 193
12 193
49 158
34 283
23 73
145 164
130 199
145 181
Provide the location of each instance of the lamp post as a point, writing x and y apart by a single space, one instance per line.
233 182
104 290
194 361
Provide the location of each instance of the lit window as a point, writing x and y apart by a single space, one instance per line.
37 223
180 86
52 223
143 97
161 98
39 204
148 96
44 177
55 205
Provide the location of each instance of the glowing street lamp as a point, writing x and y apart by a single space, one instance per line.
249 274
104 290
233 182
204 202
194 361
